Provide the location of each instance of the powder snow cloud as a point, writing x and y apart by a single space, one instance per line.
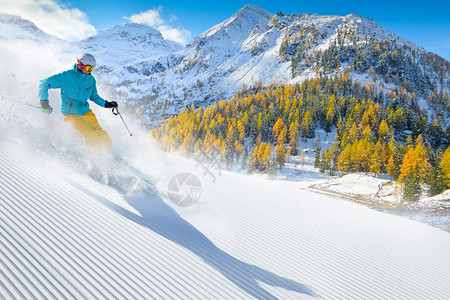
52 17
152 17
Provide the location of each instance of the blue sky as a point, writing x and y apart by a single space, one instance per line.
424 23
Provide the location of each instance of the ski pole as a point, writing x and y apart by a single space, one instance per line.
34 106
27 104
118 113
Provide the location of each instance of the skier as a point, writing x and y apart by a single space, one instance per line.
77 86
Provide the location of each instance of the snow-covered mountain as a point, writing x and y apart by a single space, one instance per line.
251 47
256 47
14 28
123 44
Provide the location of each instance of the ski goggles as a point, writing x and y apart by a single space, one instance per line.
88 68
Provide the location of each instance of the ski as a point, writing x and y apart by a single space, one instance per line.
141 175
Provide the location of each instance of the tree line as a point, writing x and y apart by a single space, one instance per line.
377 132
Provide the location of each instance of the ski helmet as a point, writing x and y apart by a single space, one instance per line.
86 59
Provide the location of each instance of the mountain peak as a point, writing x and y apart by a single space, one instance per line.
236 28
130 30
353 15
250 12
15 27
136 40
252 9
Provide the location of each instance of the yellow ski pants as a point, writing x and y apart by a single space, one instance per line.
88 126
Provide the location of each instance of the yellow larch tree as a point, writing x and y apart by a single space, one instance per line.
266 157
423 164
344 159
260 155
293 137
409 161
253 160
277 128
282 136
280 153
445 165
185 148
376 160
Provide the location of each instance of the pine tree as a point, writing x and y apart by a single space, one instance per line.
435 134
388 76
412 190
253 161
272 169
329 160
435 179
229 154
253 127
317 152
334 159
307 127
398 121
323 164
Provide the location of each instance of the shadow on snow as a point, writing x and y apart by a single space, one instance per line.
165 221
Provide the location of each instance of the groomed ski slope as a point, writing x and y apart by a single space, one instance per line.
65 235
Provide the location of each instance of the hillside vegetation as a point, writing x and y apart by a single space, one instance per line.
378 133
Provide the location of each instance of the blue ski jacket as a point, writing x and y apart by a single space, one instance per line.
76 89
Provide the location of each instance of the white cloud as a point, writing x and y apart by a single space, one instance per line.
51 17
153 18
150 17
177 35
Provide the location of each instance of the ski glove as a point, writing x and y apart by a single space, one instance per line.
46 108
112 104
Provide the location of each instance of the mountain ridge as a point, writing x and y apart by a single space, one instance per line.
257 47
16 28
